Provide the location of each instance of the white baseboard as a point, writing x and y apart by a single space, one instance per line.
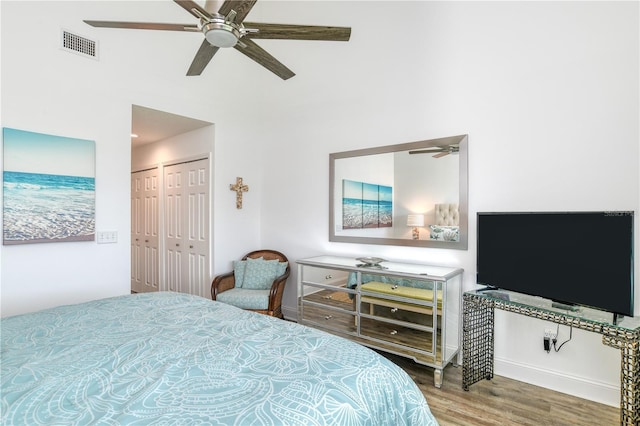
591 390
290 313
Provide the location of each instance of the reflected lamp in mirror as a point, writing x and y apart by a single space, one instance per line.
373 190
416 221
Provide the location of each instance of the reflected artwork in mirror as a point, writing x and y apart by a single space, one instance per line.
384 189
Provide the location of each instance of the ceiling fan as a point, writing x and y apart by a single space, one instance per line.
440 151
223 26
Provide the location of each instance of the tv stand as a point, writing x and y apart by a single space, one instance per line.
478 309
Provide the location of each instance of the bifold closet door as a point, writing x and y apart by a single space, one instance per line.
187 227
144 231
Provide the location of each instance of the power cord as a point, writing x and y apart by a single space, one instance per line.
555 339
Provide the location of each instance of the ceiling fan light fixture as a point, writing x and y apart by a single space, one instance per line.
220 34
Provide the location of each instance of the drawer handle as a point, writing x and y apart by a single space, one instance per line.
393 332
328 297
328 277
394 310
328 317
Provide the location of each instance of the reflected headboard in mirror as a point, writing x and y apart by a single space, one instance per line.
381 195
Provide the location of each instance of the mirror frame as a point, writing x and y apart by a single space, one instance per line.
463 203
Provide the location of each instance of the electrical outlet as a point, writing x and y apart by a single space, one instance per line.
550 333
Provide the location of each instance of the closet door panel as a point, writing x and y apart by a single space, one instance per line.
144 231
187 229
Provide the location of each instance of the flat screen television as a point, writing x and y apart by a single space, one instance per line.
575 258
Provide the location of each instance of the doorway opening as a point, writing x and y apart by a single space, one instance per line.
170 202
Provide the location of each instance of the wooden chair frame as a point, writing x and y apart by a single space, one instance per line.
227 281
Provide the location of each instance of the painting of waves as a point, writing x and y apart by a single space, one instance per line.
51 205
366 205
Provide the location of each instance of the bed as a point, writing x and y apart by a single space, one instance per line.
447 226
173 358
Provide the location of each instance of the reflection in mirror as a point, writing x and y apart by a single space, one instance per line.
411 194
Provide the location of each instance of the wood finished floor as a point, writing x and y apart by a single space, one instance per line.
502 401
499 401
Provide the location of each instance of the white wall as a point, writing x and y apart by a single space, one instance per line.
547 91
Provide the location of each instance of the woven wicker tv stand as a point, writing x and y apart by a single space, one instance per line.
478 334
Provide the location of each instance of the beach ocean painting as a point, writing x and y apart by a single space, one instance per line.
366 205
48 188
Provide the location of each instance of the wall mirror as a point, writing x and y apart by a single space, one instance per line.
411 194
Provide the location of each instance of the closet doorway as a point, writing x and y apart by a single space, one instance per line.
170 202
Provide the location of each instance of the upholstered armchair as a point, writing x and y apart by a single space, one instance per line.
256 283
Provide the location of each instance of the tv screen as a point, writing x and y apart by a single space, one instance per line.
583 258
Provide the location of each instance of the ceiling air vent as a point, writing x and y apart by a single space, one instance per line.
80 45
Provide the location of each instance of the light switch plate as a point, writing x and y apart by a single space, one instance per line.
107 237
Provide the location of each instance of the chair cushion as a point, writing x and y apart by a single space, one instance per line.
245 299
239 267
259 274
282 268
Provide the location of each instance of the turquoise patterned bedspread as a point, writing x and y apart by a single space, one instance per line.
172 358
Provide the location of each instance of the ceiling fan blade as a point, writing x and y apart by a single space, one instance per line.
189 6
242 8
429 151
258 54
143 25
298 32
442 154
212 6
202 58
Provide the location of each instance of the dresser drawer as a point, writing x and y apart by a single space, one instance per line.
398 333
336 297
328 317
398 311
333 277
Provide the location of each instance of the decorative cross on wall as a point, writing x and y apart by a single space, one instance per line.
239 188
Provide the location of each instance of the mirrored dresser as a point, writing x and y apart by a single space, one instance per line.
411 310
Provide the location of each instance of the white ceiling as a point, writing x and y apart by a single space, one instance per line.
152 125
